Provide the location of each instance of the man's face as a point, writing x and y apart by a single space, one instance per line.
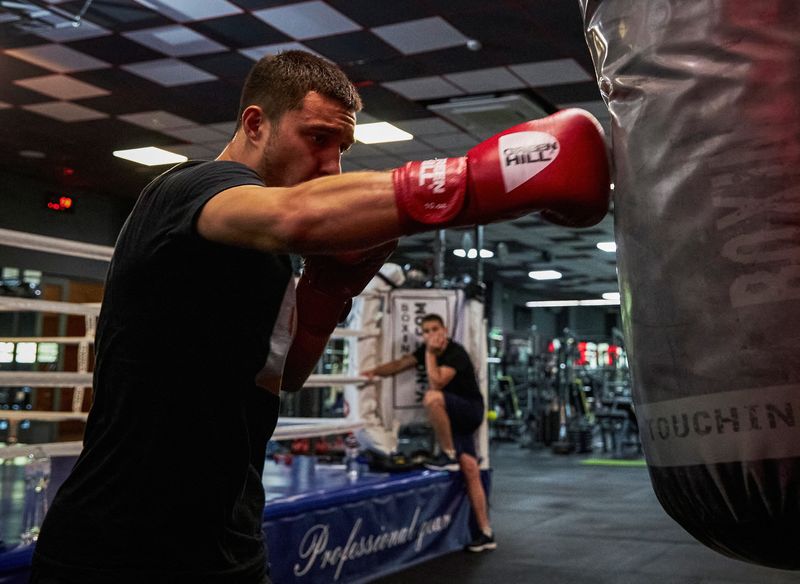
432 330
308 142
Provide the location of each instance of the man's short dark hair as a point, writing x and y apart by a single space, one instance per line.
433 317
278 83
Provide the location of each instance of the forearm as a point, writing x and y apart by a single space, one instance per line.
392 367
325 215
435 374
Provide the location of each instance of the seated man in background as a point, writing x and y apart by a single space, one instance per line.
455 409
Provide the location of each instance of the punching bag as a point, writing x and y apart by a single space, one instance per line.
704 97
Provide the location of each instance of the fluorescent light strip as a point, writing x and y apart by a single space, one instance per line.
545 275
380 132
150 156
556 303
608 246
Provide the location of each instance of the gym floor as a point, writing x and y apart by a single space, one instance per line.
558 521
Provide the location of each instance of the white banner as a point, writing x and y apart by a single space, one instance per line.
403 400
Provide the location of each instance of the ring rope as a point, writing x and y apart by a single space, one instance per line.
75 379
13 304
287 429
55 245
60 340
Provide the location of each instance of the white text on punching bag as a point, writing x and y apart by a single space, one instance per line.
768 250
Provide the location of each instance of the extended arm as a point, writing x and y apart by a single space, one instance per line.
391 367
556 165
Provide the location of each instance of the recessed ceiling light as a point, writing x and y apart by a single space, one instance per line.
379 132
608 246
150 156
544 275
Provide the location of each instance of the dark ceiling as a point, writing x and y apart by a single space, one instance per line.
168 72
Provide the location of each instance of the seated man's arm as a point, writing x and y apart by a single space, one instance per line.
391 367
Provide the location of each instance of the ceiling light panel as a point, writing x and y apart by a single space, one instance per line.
486 80
420 36
424 88
255 53
65 111
57 58
307 20
61 87
555 72
150 156
189 10
86 30
379 132
169 72
175 41
157 120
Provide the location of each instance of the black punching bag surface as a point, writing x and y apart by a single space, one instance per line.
704 98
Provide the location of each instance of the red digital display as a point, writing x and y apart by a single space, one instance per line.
60 203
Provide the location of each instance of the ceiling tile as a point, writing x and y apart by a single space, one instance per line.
227 65
424 88
405 147
239 31
168 72
158 120
422 35
65 111
459 141
255 53
192 151
175 41
121 15
87 30
57 58
354 47
570 92
189 10
365 12
391 105
555 72
61 87
426 126
307 20
196 134
115 49
485 80
226 128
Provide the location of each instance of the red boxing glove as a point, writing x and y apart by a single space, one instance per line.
557 165
328 284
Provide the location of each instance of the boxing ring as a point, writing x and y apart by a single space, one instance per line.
320 525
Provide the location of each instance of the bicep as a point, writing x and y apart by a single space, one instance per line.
324 215
246 216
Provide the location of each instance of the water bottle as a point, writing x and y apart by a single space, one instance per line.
351 463
37 477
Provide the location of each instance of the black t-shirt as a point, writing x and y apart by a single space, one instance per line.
168 486
455 355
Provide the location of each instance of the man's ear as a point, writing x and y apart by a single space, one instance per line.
254 123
